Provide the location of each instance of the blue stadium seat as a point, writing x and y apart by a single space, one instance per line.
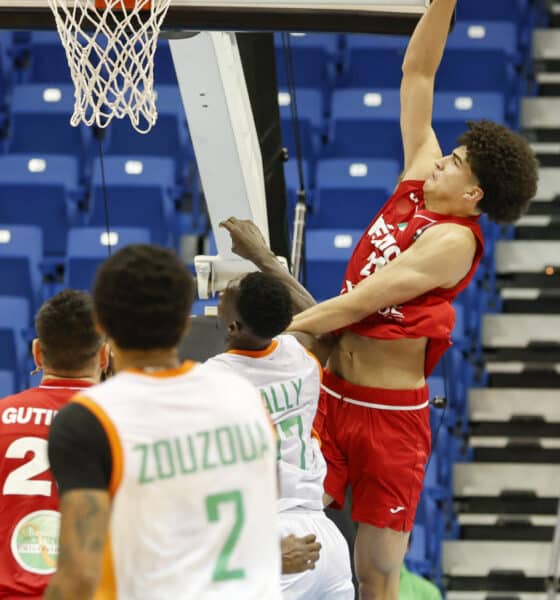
424 558
313 58
436 481
480 56
291 178
40 190
327 253
436 386
48 62
459 333
374 60
310 119
21 251
14 323
7 383
169 137
5 71
164 69
365 122
418 559
496 10
455 369
88 248
351 191
199 305
139 194
453 110
41 121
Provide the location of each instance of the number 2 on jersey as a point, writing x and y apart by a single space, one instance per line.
221 570
20 481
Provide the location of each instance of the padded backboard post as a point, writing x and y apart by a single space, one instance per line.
223 133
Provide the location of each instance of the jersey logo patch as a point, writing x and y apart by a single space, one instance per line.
396 510
34 542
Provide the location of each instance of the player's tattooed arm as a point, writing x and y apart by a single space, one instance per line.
83 531
247 242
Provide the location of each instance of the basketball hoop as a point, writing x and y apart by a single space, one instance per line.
110 47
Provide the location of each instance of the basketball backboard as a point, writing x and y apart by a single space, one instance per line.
345 16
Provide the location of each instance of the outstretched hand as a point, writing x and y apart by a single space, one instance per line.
299 554
246 239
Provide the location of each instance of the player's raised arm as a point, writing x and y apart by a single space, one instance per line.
421 62
248 242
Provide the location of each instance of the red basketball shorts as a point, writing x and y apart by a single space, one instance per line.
378 442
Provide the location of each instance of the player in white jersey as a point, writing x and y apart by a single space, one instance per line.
256 310
167 472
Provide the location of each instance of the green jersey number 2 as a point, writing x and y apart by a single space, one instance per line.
222 570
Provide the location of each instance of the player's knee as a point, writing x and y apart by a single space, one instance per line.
377 585
379 551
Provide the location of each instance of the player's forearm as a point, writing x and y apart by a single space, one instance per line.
393 285
425 49
328 316
66 586
301 298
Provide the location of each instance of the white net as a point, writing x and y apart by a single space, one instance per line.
110 53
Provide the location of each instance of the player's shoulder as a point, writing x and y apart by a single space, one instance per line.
295 346
20 397
220 370
411 187
455 234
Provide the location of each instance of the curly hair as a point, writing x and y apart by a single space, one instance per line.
264 304
142 296
505 166
64 326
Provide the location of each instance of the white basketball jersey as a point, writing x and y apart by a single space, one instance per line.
194 509
289 379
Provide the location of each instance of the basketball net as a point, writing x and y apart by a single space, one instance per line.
110 47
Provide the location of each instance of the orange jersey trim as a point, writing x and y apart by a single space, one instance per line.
164 373
257 353
107 587
315 434
113 437
317 361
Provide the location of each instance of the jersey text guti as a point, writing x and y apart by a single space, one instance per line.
24 415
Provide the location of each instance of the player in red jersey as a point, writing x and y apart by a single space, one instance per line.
393 319
72 356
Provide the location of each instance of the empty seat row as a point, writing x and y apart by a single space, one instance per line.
22 263
480 56
36 110
366 122
45 190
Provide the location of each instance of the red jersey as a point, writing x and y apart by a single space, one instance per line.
30 520
398 224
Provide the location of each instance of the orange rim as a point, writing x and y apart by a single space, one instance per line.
126 4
